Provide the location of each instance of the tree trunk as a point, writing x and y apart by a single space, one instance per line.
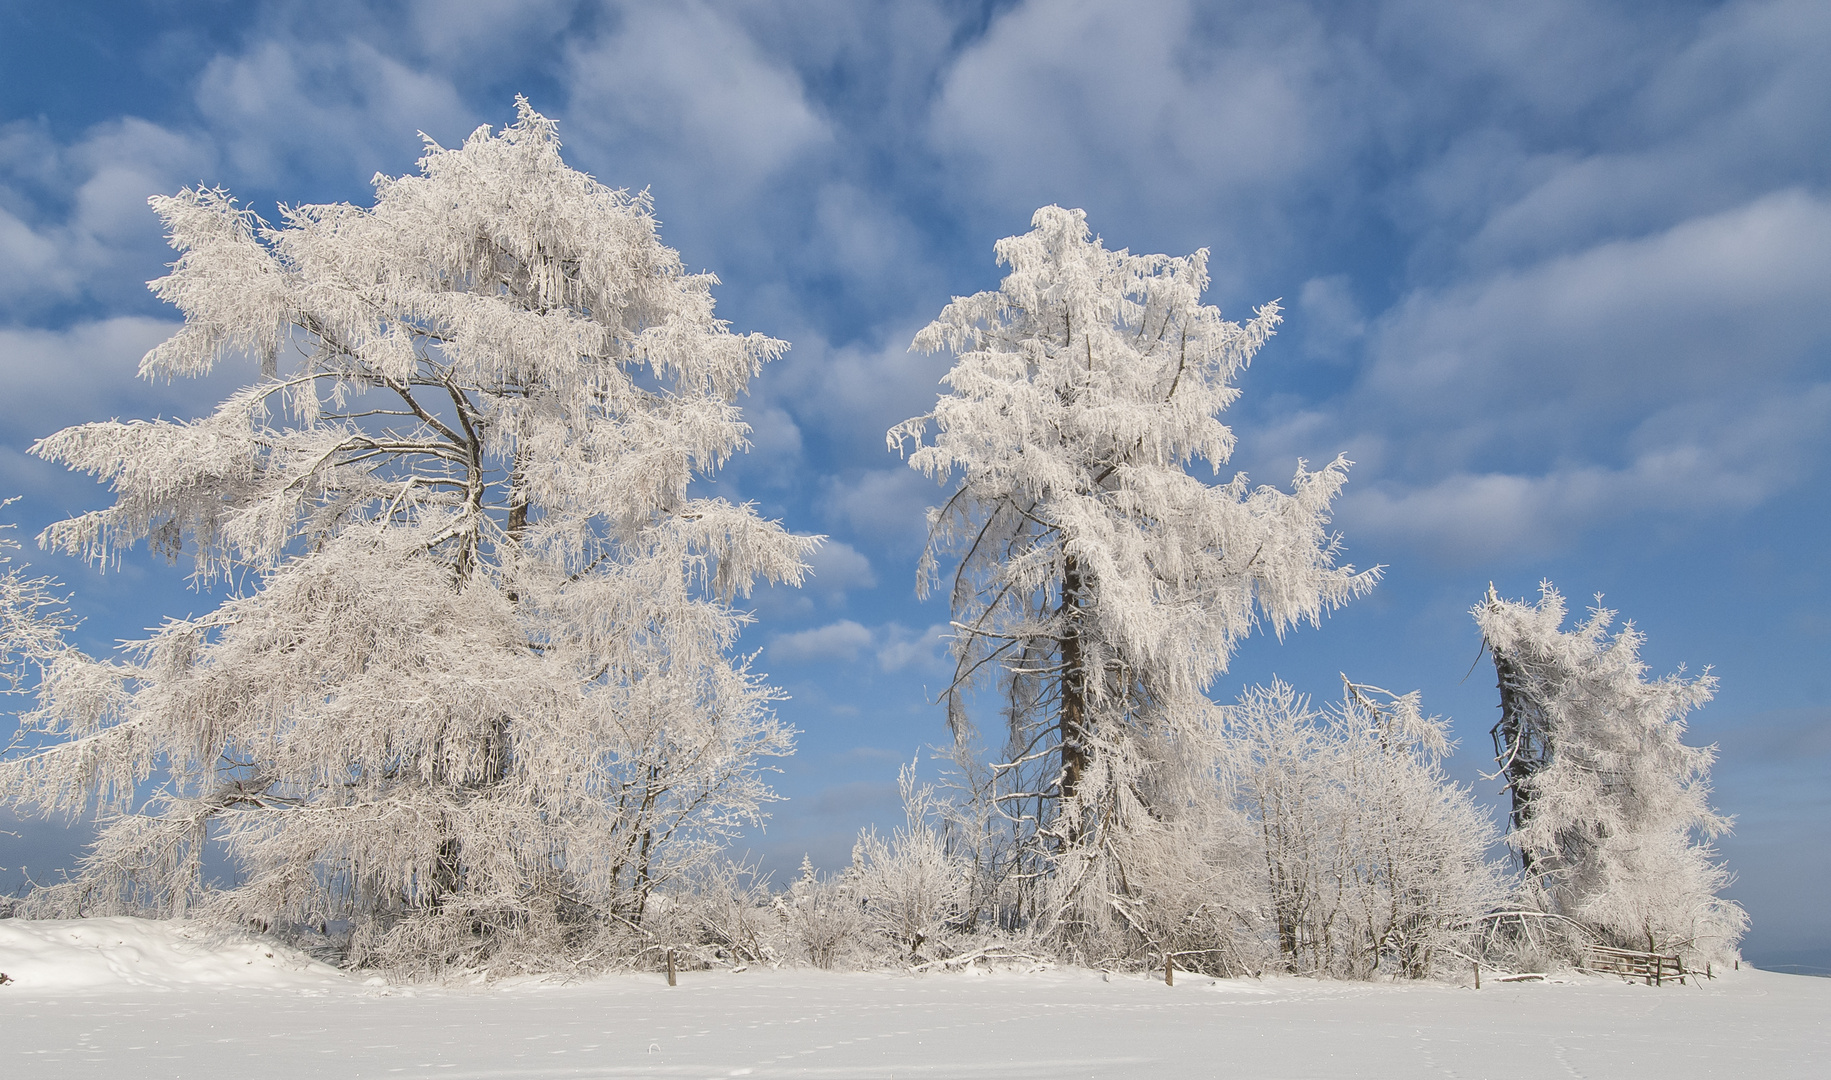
1520 744
1073 722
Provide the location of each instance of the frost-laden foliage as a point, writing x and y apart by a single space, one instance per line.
914 886
1192 890
33 619
1370 859
823 921
475 697
1095 581
904 900
1611 810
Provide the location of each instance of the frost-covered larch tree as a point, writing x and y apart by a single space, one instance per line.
473 690
1611 810
1104 582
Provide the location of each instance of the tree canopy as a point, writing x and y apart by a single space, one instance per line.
474 680
1611 809
1103 582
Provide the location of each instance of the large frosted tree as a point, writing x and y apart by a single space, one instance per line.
472 689
1610 809
1100 580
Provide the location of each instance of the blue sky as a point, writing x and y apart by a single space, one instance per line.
1556 277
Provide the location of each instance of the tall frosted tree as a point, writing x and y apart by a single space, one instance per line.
1610 810
473 687
1094 579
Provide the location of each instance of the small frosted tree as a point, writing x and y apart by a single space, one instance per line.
913 887
1610 809
1103 583
1372 859
473 690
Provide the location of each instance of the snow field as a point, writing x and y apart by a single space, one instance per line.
117 955
175 1005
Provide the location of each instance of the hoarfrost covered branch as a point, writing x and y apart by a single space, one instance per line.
1610 809
1102 583
478 698
33 619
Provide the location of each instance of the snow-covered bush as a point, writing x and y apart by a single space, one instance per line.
733 914
823 921
1194 891
1373 860
1094 578
914 889
472 692
1611 810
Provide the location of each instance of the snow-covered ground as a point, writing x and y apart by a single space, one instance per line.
125 998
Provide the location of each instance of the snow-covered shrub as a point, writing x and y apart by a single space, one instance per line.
823 920
1194 891
474 691
733 913
1098 582
1373 860
915 890
1611 810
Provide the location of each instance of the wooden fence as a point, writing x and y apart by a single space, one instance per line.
1651 967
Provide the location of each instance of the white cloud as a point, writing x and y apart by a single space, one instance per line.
690 87
30 262
1678 373
857 236
1327 318
86 372
90 232
837 567
1617 331
839 641
90 371
342 110
1601 122
1158 115
896 647
887 506
775 445
925 650
474 32
1703 459
855 393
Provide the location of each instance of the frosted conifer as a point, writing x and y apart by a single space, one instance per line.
1611 810
1103 583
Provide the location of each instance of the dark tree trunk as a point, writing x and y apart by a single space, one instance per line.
1521 743
1073 723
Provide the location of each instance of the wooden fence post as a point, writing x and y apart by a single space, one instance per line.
1477 974
1169 970
671 967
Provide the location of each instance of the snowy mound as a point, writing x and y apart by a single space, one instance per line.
108 954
